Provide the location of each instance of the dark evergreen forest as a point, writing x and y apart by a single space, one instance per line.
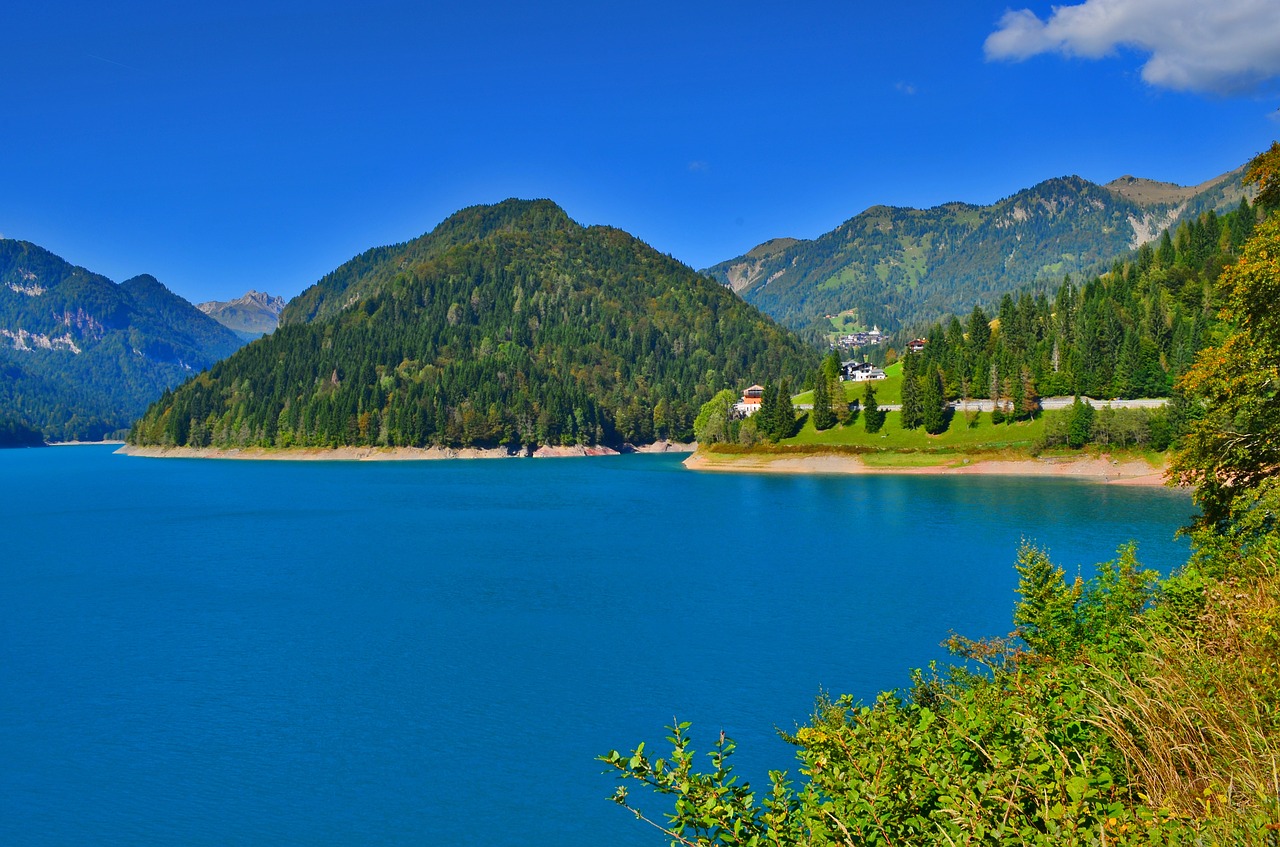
508 325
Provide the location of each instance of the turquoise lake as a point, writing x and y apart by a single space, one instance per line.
342 653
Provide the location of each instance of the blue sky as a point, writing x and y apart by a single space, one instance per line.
260 145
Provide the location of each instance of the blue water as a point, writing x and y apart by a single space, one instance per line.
202 652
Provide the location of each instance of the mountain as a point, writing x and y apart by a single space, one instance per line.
252 316
81 356
376 269
507 324
899 267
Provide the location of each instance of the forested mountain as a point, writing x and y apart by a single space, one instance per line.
81 356
897 266
506 325
251 316
376 269
1128 333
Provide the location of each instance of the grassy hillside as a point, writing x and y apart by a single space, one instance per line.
888 390
960 435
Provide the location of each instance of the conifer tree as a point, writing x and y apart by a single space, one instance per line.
932 404
835 388
872 415
785 424
1165 253
823 417
767 416
911 410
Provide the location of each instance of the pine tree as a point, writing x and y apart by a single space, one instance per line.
767 416
911 411
786 415
823 417
872 416
933 405
1165 253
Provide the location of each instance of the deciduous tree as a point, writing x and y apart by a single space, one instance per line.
1234 448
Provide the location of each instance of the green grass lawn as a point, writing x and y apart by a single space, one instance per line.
888 390
959 437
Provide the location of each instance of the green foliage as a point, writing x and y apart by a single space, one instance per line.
714 422
507 325
933 406
1110 428
1080 424
1046 614
912 410
829 373
713 807
1057 620
17 434
1233 447
1131 333
776 418
1041 746
823 415
872 414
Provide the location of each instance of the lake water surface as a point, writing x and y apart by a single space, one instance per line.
221 652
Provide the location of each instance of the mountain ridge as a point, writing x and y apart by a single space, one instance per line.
898 266
82 356
251 315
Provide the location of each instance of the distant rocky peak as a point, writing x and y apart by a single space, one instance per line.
252 314
261 299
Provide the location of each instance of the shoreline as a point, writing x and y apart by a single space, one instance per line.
389 454
1101 468
80 443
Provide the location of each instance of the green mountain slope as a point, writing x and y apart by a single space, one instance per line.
898 267
82 356
374 270
506 325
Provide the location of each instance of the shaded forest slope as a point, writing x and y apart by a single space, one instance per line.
80 356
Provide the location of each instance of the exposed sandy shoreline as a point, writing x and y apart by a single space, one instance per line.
81 443
1094 468
386 454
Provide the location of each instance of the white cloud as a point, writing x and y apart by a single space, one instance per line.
1218 46
698 166
905 88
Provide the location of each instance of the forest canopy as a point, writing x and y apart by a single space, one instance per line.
508 326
